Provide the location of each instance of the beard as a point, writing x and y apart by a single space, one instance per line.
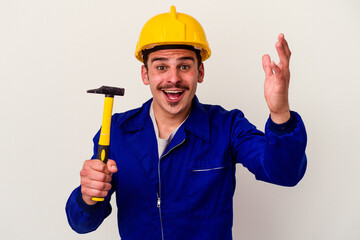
173 104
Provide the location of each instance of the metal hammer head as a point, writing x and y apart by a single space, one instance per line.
108 91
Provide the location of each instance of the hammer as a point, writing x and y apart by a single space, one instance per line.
104 140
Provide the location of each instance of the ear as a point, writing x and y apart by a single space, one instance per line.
201 73
144 75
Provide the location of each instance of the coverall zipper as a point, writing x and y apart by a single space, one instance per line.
159 194
159 201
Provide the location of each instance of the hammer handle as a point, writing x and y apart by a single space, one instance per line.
103 153
104 140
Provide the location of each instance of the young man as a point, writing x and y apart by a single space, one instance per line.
173 159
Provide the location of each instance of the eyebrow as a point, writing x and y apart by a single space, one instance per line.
187 58
165 59
158 59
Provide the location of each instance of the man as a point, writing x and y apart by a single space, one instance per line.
173 159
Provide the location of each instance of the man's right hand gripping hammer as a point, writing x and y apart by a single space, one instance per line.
96 180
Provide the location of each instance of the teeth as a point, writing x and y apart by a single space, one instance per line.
173 91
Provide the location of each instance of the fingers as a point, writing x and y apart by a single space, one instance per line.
96 170
282 69
266 62
89 193
283 50
111 165
94 188
97 185
96 179
96 165
277 70
270 68
281 39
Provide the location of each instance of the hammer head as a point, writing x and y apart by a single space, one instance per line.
108 91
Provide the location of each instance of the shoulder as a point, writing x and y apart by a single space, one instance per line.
123 116
217 116
137 114
217 111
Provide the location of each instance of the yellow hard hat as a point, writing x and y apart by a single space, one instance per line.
172 29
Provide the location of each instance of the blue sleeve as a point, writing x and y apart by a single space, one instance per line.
278 156
84 218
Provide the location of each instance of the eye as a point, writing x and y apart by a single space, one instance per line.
184 67
160 68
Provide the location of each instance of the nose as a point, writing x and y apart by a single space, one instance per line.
174 76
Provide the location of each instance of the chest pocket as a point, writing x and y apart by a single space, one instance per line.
211 185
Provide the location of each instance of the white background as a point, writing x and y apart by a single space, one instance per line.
51 52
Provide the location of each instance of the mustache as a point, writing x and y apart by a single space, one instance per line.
169 86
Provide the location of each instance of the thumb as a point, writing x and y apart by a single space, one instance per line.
266 62
111 164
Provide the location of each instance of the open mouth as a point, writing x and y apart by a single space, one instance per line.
173 95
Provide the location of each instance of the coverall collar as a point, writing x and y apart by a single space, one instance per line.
197 122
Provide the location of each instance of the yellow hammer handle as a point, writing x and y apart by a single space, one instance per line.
106 122
104 140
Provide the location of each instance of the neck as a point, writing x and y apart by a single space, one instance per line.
167 123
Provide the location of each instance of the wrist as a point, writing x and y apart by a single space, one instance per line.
88 200
284 128
280 118
83 205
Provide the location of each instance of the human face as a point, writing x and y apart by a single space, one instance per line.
172 75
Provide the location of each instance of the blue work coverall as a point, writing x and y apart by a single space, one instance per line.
188 193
